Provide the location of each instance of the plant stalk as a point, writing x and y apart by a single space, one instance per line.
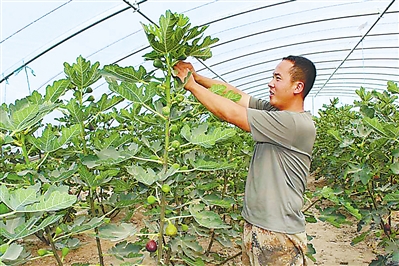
210 243
165 166
161 228
51 240
230 258
98 241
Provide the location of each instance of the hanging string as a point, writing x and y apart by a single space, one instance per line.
27 80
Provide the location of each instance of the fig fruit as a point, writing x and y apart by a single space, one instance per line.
151 246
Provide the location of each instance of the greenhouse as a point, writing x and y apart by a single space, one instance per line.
112 154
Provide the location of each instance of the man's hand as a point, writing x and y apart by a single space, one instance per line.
183 69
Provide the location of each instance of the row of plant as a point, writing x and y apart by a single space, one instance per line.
146 146
357 153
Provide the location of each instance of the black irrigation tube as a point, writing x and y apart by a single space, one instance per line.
66 39
357 44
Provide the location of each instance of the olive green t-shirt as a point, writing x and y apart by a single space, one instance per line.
279 167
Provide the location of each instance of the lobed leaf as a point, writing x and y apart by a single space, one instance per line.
55 91
116 232
198 136
82 74
208 219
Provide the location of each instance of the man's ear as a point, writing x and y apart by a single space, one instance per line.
300 86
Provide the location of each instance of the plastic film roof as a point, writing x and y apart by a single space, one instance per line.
352 43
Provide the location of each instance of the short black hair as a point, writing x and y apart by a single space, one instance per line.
302 70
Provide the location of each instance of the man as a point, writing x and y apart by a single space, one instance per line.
274 231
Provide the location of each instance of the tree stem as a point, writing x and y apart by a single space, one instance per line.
51 240
98 241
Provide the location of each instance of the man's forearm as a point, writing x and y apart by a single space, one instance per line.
208 82
221 107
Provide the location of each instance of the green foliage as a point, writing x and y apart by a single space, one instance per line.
175 37
104 157
356 152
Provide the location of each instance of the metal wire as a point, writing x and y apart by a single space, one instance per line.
66 39
36 20
356 45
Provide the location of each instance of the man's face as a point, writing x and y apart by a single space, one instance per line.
281 86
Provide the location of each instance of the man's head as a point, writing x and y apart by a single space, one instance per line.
292 80
302 70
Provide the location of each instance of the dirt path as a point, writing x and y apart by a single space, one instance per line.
333 245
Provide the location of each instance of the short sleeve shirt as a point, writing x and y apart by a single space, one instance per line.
279 167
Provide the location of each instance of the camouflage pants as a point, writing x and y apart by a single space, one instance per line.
264 247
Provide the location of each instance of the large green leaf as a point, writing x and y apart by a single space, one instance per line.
106 103
188 244
127 74
201 50
53 202
176 37
110 156
82 74
395 168
55 91
200 136
115 139
81 225
213 199
166 38
210 165
12 253
132 92
50 141
128 250
355 212
116 232
18 199
393 87
28 228
376 125
93 180
149 176
76 112
208 219
23 115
